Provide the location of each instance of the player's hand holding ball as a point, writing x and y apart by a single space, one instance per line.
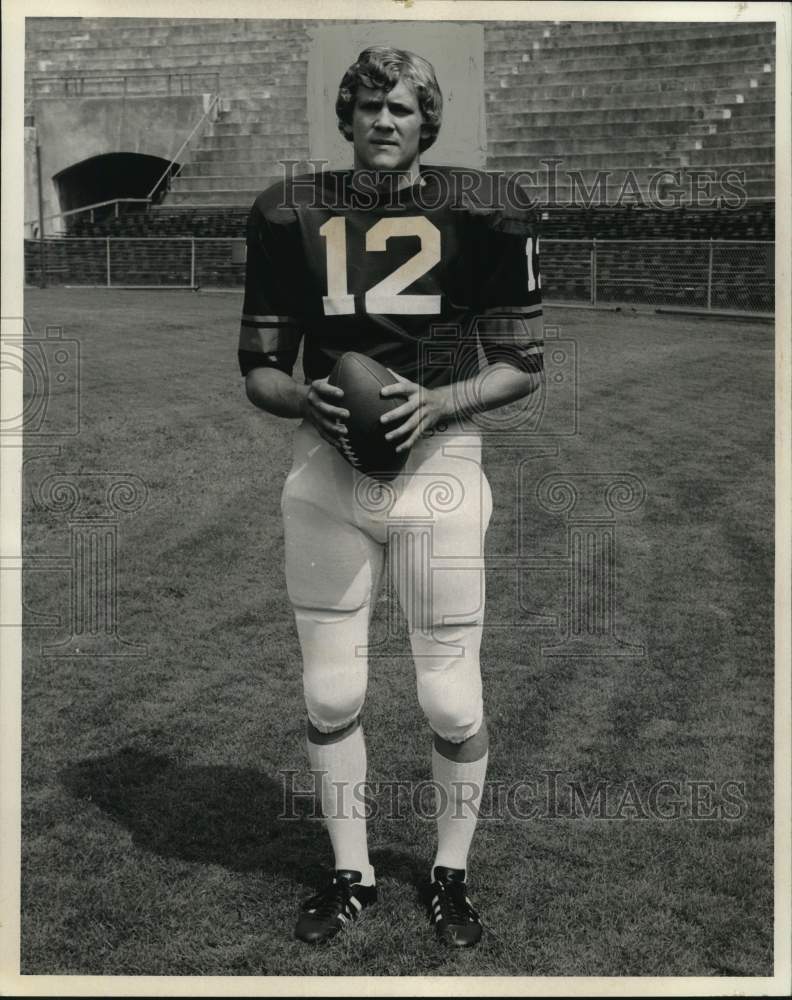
423 409
322 407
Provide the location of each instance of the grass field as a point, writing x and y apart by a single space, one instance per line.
151 784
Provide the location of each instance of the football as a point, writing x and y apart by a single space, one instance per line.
364 445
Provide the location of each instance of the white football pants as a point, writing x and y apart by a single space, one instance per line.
430 521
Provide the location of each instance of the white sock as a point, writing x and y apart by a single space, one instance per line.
462 784
344 767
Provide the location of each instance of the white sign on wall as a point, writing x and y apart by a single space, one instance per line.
455 50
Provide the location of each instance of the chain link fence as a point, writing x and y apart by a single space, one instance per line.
136 262
710 275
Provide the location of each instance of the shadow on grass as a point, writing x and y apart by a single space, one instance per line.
230 816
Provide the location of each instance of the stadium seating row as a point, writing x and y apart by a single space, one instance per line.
754 222
628 98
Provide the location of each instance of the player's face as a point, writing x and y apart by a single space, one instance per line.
386 128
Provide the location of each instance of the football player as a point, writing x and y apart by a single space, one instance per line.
412 266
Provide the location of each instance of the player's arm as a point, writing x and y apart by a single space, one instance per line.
512 344
269 334
275 391
497 385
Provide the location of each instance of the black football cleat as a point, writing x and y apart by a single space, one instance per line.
340 903
455 921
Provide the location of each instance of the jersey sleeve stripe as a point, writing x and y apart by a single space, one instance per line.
283 360
249 320
518 346
524 312
515 339
267 339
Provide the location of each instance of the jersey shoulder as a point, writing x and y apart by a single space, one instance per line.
493 199
281 202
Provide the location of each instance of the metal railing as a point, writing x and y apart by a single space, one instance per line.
169 173
705 275
90 209
126 84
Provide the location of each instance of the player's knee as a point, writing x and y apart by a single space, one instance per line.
334 697
455 720
449 681
329 714
334 675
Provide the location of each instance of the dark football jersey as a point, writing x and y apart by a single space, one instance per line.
422 279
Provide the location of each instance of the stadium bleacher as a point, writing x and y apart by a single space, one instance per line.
629 96
605 102
753 222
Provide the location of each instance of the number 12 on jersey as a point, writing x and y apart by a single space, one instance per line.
388 295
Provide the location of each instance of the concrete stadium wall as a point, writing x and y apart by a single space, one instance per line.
70 131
